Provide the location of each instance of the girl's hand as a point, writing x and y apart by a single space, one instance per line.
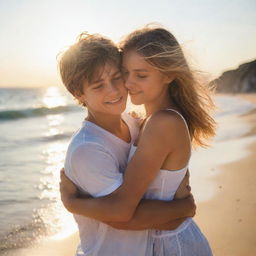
138 117
184 190
68 190
134 114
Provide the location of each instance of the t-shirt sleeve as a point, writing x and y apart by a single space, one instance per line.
94 170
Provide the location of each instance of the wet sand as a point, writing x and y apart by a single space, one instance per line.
47 247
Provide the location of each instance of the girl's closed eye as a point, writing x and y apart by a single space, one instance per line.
141 76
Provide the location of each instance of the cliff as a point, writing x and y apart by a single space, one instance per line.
240 80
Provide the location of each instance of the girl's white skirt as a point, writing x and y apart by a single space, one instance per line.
186 240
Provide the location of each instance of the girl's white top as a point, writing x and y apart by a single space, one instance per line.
187 239
95 161
165 184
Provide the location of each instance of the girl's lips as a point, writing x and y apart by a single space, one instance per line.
134 93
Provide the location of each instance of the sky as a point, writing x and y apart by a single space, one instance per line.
216 35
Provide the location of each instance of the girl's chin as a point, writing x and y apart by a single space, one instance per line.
136 102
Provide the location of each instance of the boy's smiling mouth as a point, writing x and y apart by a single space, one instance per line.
116 100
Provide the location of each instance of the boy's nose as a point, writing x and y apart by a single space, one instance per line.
112 89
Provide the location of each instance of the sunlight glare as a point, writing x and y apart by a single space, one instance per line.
53 98
68 225
56 215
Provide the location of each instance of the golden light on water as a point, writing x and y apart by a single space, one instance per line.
55 154
60 223
53 131
56 216
68 225
54 123
49 183
55 120
53 98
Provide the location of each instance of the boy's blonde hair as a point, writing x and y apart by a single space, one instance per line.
83 60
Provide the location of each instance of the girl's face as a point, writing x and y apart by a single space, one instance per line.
106 94
144 82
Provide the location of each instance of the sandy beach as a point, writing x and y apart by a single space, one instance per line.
227 218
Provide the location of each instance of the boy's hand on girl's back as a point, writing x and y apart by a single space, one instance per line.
184 190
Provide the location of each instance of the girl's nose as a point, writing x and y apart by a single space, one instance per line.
129 84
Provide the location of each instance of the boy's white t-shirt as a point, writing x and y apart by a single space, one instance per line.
95 162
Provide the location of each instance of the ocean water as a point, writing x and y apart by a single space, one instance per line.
35 127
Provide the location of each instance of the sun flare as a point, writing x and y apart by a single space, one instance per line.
53 98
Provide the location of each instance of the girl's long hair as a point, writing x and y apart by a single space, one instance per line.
191 96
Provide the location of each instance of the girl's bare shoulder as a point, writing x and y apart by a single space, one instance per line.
164 120
166 128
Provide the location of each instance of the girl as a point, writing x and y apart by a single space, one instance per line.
176 106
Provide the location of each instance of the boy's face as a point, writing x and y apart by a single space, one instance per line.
106 94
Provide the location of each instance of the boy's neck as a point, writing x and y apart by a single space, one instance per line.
111 123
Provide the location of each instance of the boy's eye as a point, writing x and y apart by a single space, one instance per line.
98 87
124 73
117 78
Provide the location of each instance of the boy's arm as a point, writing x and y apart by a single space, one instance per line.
149 213
171 225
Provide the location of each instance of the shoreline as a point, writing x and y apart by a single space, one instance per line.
47 246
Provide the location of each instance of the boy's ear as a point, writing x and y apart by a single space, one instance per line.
79 96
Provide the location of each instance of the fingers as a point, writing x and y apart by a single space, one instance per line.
191 197
62 173
193 212
187 175
63 176
186 182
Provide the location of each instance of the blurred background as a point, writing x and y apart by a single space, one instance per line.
38 117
